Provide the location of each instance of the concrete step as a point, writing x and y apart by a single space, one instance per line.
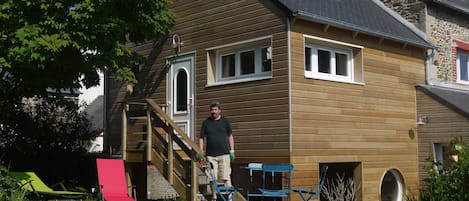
158 187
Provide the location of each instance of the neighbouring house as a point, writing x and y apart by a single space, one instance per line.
443 101
95 113
310 83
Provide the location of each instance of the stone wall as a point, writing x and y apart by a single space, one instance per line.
442 26
411 10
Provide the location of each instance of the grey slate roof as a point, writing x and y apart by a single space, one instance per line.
364 16
458 5
456 99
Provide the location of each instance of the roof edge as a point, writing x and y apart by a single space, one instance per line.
401 19
320 19
450 5
425 88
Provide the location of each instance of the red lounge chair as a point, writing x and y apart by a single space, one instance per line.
112 181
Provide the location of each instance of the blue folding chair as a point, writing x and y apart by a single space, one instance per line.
308 194
225 192
271 169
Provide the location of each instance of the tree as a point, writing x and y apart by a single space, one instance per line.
57 45
60 44
52 44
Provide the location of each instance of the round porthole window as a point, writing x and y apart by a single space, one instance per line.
392 186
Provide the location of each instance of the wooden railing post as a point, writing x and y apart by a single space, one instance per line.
124 131
194 180
149 133
170 156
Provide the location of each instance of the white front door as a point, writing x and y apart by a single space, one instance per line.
181 93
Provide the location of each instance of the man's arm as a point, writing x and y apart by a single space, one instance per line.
201 144
231 141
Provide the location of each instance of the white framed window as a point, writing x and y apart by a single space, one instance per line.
244 63
240 62
441 155
332 60
328 63
462 64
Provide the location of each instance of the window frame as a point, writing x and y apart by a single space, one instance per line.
314 62
460 52
237 52
214 73
354 61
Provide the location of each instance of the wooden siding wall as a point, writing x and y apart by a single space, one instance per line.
444 124
258 110
370 123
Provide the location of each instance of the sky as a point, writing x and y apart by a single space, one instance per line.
88 95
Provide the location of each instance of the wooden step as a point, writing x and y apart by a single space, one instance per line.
137 145
137 113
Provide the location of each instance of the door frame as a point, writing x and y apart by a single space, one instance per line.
191 82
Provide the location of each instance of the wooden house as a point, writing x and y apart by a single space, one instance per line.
311 83
442 102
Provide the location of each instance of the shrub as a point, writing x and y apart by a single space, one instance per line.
450 184
9 190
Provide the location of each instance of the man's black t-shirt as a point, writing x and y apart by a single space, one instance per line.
216 132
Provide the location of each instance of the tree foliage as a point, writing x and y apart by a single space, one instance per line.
452 183
45 125
58 45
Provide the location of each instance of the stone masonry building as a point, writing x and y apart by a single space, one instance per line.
442 103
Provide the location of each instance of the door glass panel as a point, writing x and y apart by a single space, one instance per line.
181 91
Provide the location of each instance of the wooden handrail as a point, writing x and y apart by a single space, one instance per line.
186 141
169 129
157 109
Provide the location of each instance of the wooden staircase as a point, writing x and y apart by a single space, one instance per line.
150 135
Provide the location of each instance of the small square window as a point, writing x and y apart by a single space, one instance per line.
331 60
341 64
328 63
242 61
266 53
462 67
307 59
228 65
324 61
247 62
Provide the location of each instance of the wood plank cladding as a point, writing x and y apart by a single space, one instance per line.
258 110
444 124
288 117
370 122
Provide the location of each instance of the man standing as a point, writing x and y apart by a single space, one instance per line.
220 144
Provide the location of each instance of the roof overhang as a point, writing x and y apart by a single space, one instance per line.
457 5
355 29
456 99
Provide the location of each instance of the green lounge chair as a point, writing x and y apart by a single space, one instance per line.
32 183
